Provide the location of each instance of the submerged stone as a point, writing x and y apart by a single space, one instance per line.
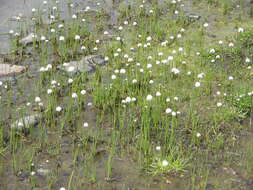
28 39
85 65
193 17
7 69
26 122
75 67
43 172
95 60
8 79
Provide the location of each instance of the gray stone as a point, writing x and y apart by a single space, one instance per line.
86 65
43 172
28 39
75 67
26 122
8 79
193 17
7 69
95 60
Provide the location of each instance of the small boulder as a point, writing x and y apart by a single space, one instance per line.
28 39
86 65
43 172
95 60
26 122
193 17
7 69
75 67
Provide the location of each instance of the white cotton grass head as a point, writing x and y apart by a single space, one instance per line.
85 124
231 44
165 163
247 60
37 99
173 113
134 81
77 37
122 71
158 148
206 25
158 93
113 77
41 104
149 38
149 97
168 99
74 95
197 84
128 99
49 91
219 104
201 75
240 29
58 109
42 38
33 173
230 78
175 71
83 92
61 38
168 111
70 80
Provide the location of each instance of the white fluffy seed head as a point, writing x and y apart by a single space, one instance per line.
149 97
37 99
197 84
74 95
83 92
58 109
168 110
165 163
85 124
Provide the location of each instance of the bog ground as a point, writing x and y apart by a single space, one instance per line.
128 95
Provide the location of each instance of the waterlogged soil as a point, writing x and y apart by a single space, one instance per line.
235 174
9 10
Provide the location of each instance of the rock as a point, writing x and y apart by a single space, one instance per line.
28 39
193 17
75 67
43 172
8 79
95 60
209 186
26 122
7 69
85 65
23 175
211 35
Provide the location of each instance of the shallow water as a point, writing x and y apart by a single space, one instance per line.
10 9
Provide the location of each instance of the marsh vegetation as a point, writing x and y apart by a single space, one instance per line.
128 95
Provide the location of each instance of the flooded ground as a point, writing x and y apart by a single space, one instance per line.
63 152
